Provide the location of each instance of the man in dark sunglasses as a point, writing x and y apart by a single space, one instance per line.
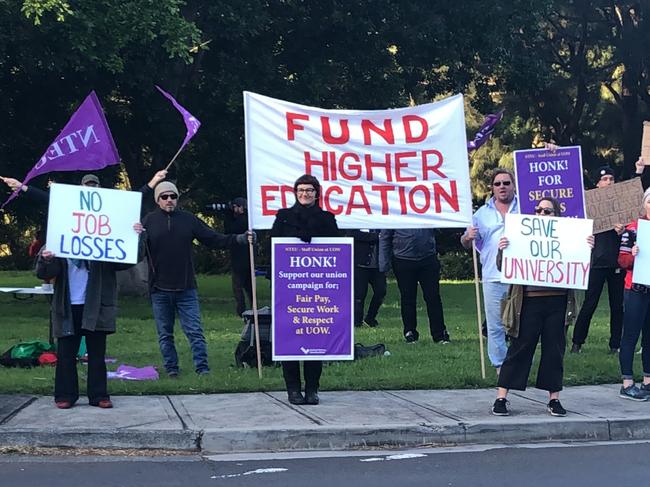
170 233
486 230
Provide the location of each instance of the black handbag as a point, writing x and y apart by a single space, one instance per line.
361 351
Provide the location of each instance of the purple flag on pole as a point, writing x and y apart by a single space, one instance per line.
485 132
85 143
191 122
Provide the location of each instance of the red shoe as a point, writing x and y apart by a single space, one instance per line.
104 404
63 404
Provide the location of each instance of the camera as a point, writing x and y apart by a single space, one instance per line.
219 206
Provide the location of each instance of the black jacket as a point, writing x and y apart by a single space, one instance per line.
366 248
605 252
170 236
304 223
239 254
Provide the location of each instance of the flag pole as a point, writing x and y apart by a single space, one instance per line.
251 255
174 158
478 309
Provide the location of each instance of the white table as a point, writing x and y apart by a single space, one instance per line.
28 292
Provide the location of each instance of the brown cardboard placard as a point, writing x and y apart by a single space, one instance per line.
618 203
645 143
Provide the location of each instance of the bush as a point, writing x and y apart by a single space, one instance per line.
456 266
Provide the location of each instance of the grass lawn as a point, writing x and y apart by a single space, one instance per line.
423 365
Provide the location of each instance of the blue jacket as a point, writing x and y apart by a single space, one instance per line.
409 244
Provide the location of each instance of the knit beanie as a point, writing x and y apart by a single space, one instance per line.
164 187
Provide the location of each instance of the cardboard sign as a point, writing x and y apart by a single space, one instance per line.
557 174
641 271
546 251
400 168
617 203
312 316
645 143
93 223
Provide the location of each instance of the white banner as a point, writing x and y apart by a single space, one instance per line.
399 168
546 251
93 223
641 271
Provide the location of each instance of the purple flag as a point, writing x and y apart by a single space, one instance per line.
191 122
85 143
485 132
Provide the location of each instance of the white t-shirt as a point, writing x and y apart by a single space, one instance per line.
77 281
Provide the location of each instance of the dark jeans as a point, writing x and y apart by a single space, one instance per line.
540 317
241 282
66 381
615 285
635 320
291 373
426 273
377 280
165 305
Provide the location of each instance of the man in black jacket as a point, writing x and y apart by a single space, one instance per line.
172 282
236 221
366 272
604 268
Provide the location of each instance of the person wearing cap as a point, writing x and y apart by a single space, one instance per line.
236 221
170 233
40 196
604 268
304 220
636 319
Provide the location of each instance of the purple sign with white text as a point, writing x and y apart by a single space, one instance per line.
312 299
545 173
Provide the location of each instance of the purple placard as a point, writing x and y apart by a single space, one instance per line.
312 299
542 172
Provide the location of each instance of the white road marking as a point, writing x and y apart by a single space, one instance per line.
250 472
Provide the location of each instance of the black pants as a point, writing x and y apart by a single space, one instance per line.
291 373
615 284
540 317
66 382
241 282
377 280
426 272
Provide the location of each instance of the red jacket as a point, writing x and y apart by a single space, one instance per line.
625 257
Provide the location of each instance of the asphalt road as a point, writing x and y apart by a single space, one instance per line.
590 465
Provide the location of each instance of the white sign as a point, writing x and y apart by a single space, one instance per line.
641 271
93 223
546 251
400 168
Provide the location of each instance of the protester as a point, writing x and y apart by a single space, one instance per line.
84 305
412 254
172 282
637 312
542 313
604 268
304 220
485 232
236 221
366 272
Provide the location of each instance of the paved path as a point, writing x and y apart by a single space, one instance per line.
344 420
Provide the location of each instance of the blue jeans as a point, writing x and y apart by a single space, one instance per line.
165 305
493 292
636 318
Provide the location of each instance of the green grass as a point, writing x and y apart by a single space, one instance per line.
423 365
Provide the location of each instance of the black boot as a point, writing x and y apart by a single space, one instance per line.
295 397
311 397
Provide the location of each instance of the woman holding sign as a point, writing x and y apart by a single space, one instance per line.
304 220
637 313
539 313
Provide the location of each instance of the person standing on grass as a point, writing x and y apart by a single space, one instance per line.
170 233
486 230
366 272
84 305
304 220
412 253
236 221
542 313
604 268
636 318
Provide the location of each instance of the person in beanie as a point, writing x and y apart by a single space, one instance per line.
170 233
304 220
604 268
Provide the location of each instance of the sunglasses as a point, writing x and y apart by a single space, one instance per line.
546 211
496 184
166 197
